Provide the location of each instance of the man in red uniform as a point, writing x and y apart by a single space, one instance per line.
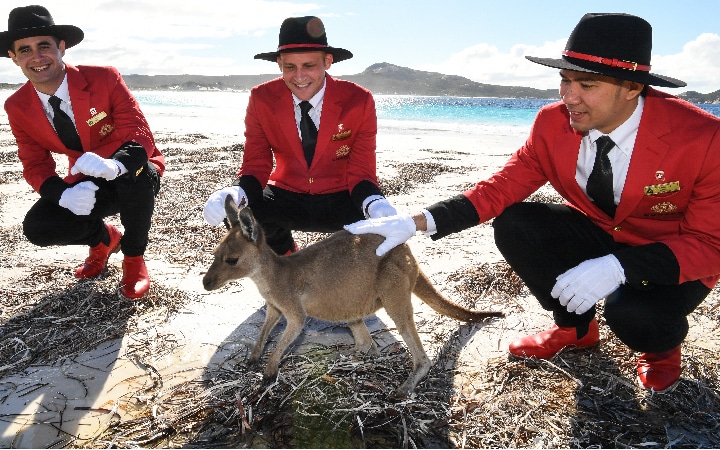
309 160
639 171
88 114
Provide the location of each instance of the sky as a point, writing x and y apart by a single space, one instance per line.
482 40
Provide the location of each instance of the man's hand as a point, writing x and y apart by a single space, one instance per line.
214 211
397 230
581 287
80 199
380 208
94 165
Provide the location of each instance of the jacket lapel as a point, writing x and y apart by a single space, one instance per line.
648 151
34 110
565 150
284 110
80 97
331 110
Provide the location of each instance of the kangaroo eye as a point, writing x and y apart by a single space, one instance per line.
232 261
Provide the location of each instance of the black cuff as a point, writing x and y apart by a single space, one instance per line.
133 156
649 265
53 188
363 190
453 215
252 187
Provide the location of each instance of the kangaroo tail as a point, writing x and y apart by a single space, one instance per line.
425 290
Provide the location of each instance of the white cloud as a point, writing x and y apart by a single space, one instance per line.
169 37
484 63
698 64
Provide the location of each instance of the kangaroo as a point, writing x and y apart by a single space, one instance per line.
339 279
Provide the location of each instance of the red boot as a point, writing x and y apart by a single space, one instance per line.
548 343
659 371
135 280
98 258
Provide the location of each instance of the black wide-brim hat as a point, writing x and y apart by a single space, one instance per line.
616 45
304 34
34 20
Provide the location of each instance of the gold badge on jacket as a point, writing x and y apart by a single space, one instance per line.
96 117
341 134
106 129
342 151
656 189
664 208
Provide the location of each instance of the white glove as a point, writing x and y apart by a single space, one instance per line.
581 287
80 199
396 229
94 165
380 208
214 211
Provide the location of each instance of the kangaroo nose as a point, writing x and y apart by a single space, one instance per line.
207 283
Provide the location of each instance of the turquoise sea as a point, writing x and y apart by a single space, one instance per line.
223 112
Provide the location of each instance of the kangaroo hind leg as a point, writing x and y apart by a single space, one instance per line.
400 310
364 343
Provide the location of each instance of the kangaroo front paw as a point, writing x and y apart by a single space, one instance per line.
270 375
399 395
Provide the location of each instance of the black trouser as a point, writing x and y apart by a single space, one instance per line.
47 223
541 241
282 211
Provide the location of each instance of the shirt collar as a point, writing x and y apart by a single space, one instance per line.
624 135
62 92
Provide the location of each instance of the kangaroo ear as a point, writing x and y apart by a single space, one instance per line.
231 211
250 228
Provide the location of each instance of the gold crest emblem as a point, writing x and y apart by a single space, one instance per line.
664 208
342 151
106 129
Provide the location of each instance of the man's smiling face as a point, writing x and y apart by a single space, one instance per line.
40 58
304 72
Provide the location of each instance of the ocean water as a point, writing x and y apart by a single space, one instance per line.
222 113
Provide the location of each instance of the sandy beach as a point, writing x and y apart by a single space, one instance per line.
129 372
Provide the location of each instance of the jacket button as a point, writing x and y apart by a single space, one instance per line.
310 180
618 228
645 282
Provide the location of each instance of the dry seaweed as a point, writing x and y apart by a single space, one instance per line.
49 316
409 175
322 398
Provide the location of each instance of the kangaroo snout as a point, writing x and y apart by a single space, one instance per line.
209 283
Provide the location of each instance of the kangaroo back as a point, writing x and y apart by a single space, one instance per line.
425 290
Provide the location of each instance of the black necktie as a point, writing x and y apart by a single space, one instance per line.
308 131
64 126
600 181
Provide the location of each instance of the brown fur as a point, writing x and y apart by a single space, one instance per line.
339 279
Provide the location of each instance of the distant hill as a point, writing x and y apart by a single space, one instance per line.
385 78
381 78
696 97
196 82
